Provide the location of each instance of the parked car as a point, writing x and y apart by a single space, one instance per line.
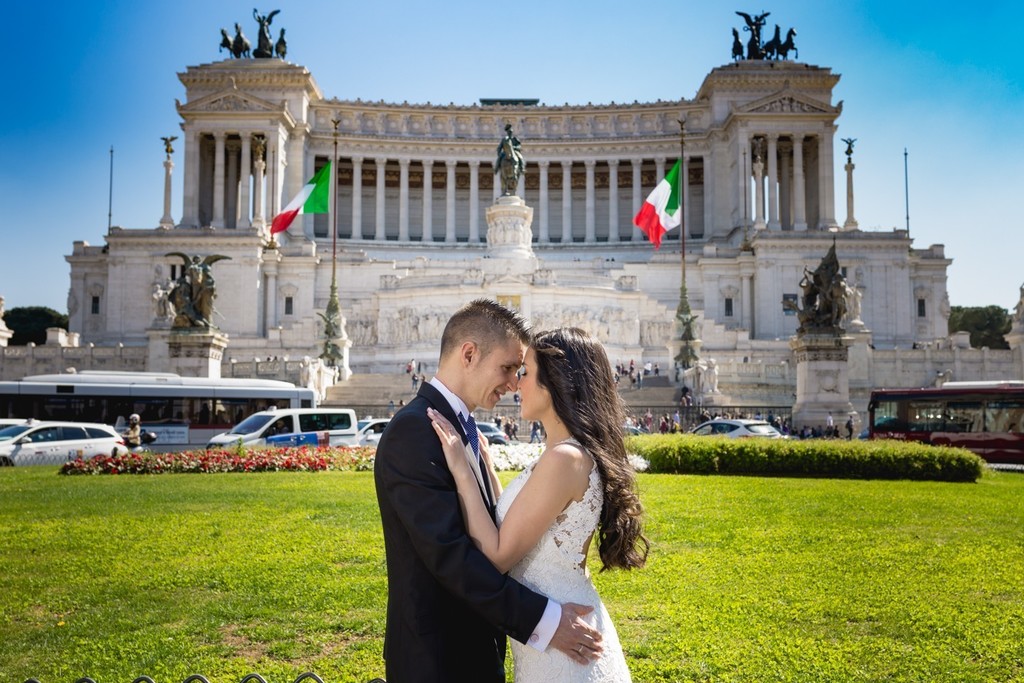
54 443
370 430
292 427
492 433
737 429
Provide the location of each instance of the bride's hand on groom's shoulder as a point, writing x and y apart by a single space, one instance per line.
575 638
451 441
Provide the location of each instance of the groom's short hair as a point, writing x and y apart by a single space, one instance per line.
485 322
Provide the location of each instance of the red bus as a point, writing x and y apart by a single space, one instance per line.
984 417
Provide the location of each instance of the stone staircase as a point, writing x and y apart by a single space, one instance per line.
371 394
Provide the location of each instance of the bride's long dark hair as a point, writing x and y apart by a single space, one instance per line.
574 368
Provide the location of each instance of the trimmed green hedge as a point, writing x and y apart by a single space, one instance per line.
689 454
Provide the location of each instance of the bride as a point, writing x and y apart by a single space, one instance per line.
547 517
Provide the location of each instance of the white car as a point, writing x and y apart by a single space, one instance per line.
737 429
370 430
55 443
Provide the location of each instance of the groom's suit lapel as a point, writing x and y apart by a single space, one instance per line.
441 405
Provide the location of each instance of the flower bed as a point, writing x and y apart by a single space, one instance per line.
301 459
514 458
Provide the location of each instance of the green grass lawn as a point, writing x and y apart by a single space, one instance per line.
750 579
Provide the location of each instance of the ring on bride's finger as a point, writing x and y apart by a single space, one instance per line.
579 650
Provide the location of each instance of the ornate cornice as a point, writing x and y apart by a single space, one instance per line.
250 74
536 123
766 75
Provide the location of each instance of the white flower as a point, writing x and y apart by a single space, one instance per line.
518 456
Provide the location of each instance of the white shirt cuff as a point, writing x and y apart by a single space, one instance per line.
546 627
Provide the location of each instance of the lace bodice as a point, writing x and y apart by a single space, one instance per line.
556 567
563 543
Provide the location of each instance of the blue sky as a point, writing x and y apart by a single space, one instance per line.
935 78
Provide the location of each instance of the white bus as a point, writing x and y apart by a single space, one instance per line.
184 412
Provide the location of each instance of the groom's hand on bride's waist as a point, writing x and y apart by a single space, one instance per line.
575 638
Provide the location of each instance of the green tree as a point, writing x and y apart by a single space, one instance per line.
29 323
987 324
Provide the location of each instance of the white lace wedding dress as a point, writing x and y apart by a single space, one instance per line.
553 568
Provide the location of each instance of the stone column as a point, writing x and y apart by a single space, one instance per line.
167 222
231 185
709 196
544 237
851 222
474 202
826 179
591 227
449 201
743 176
218 181
638 198
273 179
566 201
613 200
428 201
758 168
299 169
379 233
357 198
271 316
190 191
747 304
799 193
496 182
785 186
403 199
773 183
245 179
257 188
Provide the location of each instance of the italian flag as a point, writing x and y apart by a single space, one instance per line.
314 197
660 213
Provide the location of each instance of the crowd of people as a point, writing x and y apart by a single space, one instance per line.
635 375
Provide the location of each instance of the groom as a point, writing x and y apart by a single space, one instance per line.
449 609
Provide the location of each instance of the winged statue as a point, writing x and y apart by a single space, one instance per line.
194 291
167 144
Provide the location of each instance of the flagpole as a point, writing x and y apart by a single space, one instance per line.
110 197
906 189
684 317
332 316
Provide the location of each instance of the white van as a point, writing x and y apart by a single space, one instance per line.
293 427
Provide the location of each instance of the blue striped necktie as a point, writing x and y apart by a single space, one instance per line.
469 426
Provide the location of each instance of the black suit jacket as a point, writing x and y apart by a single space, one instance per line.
448 607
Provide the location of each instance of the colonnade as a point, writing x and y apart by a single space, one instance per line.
227 180
229 184
794 173
589 196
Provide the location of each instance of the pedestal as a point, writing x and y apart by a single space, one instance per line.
822 379
509 232
189 354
